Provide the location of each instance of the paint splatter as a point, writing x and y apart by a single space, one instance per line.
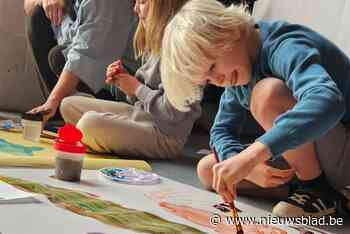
224 207
17 150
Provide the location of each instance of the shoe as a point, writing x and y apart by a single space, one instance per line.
305 203
346 193
343 207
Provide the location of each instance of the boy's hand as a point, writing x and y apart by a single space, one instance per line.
227 174
268 177
54 10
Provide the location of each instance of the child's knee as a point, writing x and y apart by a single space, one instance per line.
89 123
270 94
204 170
67 109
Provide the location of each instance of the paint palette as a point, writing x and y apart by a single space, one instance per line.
130 176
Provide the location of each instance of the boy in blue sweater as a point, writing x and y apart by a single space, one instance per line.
295 83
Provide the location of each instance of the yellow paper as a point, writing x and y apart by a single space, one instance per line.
18 152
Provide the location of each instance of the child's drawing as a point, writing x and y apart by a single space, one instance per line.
201 213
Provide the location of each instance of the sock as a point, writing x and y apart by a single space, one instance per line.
318 184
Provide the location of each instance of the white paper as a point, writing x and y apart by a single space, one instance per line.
10 194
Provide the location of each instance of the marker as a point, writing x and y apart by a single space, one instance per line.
232 205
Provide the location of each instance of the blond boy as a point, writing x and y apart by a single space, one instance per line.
295 83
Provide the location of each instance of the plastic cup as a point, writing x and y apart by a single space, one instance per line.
68 166
32 126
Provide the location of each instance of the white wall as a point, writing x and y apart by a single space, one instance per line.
19 89
329 17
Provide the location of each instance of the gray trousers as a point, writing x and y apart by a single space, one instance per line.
333 152
113 127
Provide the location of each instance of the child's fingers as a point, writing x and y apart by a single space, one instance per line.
111 73
116 63
115 71
222 188
112 77
232 191
109 80
122 76
112 66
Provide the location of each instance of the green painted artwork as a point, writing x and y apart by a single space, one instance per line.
17 149
105 211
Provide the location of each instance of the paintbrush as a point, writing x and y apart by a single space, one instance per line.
231 204
236 218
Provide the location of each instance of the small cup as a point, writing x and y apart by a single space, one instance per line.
68 166
32 126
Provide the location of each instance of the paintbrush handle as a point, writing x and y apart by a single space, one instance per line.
236 219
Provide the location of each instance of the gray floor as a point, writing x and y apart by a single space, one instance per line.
184 171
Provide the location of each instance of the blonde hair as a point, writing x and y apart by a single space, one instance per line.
195 37
149 40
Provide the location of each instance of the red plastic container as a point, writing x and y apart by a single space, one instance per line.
70 153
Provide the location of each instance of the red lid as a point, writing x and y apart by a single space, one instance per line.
69 140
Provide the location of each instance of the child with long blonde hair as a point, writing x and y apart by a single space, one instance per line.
147 126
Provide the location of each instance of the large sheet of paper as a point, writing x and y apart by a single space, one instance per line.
9 194
169 200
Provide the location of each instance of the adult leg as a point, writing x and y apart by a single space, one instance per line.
40 40
47 55
57 62
270 99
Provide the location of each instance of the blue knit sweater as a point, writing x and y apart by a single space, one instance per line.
316 72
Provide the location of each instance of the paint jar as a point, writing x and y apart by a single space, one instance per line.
70 153
32 126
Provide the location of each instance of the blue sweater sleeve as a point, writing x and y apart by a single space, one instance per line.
224 134
320 104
